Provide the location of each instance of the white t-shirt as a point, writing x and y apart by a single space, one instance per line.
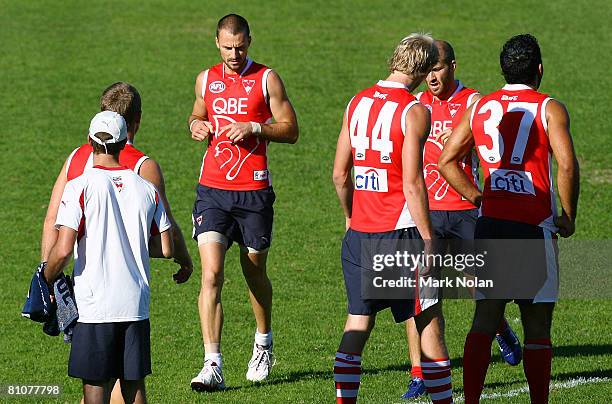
114 212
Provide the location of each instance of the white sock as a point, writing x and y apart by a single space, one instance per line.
263 339
214 357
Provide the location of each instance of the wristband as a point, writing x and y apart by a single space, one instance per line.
256 128
191 124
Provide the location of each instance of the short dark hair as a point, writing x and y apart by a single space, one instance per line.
111 148
449 52
235 24
520 58
122 98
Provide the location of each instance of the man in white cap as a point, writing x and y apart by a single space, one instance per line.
117 221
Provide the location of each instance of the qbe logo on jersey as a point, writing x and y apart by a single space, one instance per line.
518 182
370 179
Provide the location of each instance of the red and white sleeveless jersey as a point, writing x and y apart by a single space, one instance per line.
376 120
81 159
510 132
446 114
236 98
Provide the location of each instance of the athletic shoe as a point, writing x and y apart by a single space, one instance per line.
261 363
210 378
510 347
416 388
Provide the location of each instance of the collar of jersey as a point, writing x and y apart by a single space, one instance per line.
111 168
516 87
392 84
248 65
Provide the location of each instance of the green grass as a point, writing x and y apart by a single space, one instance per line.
56 57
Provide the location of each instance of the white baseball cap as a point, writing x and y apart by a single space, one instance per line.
108 122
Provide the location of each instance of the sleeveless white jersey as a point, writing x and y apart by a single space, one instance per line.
114 212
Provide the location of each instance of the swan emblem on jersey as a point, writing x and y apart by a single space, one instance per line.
248 85
453 108
229 156
118 183
433 178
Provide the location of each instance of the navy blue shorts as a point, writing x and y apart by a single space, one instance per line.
454 224
402 309
528 268
242 216
104 351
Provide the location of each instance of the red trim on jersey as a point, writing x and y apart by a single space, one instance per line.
81 230
236 98
154 228
111 168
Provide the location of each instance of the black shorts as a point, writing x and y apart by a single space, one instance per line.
242 216
454 224
353 270
106 351
522 260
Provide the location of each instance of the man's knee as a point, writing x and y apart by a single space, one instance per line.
537 320
487 316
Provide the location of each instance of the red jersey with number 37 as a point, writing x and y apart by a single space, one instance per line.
376 119
510 132
236 98
446 114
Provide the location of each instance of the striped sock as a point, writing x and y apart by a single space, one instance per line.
347 375
537 359
437 378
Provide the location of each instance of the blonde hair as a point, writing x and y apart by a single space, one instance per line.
414 56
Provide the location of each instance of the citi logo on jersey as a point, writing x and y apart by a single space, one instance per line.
216 87
370 179
518 182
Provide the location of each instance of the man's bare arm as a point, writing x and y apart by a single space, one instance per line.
342 172
458 145
416 132
49 233
199 126
151 171
60 254
284 129
568 173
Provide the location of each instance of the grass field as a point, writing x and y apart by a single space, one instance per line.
56 57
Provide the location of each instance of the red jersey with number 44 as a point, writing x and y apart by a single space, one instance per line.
236 98
510 132
81 158
446 114
376 119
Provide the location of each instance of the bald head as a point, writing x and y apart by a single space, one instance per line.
234 24
445 50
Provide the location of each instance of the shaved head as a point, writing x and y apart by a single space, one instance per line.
234 24
445 50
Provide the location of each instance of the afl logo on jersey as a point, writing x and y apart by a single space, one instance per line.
216 87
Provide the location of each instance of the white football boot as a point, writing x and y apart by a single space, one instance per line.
261 363
210 378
